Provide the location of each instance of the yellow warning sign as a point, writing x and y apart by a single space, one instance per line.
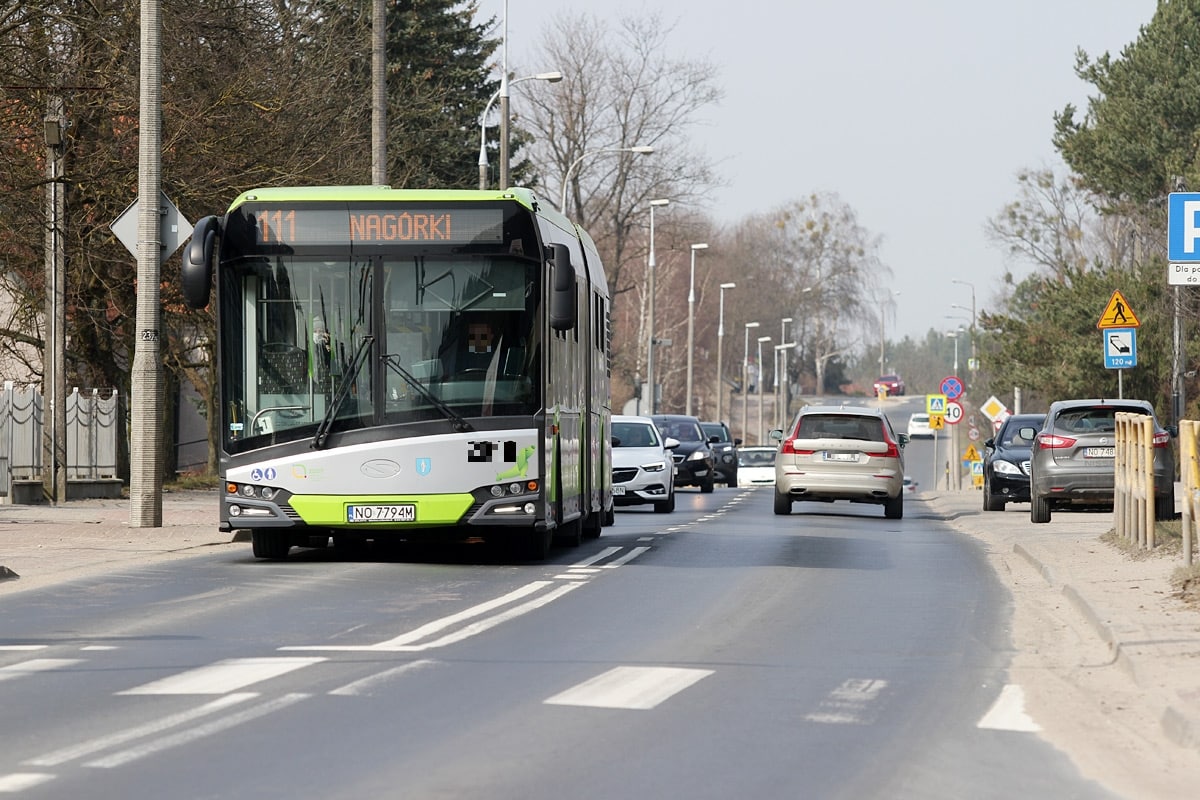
972 454
937 422
1118 314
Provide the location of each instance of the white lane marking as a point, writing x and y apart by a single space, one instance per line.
403 643
1008 712
34 666
625 559
225 676
849 703
22 647
603 554
98 647
638 688
365 685
83 749
20 781
193 734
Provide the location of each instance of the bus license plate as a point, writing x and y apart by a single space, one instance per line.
1099 452
394 512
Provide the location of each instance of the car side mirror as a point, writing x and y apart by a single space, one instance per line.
1173 431
670 443
990 444
903 439
616 442
714 439
737 442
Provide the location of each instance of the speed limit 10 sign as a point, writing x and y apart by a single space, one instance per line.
954 412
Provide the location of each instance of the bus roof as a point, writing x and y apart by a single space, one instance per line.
386 194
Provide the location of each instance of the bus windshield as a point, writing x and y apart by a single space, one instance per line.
312 340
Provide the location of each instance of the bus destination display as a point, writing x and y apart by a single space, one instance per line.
333 226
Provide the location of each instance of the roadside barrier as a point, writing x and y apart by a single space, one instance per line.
1189 469
1133 496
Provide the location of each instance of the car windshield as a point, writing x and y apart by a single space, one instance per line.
715 429
683 431
756 458
837 426
634 434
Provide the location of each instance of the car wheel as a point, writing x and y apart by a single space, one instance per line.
1164 507
783 504
708 484
990 501
894 507
666 506
1039 509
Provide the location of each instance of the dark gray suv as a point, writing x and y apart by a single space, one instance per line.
1073 455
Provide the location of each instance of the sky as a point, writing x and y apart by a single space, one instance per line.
917 114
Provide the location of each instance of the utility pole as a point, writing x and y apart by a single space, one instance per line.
379 92
54 372
145 456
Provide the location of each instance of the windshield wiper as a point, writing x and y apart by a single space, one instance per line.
459 424
341 393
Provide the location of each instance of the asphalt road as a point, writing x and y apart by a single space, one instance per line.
716 652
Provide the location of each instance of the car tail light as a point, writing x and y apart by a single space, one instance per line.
1052 441
893 449
1162 439
789 447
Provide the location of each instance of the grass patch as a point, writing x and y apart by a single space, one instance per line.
192 480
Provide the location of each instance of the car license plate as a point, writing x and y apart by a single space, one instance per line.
618 491
851 457
392 512
1099 452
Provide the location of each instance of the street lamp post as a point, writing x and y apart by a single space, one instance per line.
650 323
549 77
781 399
721 346
781 356
637 148
883 306
761 339
974 363
746 382
691 325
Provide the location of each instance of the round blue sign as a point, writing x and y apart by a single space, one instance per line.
952 387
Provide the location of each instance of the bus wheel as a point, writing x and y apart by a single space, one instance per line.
593 524
571 533
537 544
271 544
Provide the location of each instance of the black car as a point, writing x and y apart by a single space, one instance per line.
1006 461
724 448
695 464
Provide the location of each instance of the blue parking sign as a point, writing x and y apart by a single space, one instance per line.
1183 227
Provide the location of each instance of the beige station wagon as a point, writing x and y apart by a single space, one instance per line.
841 453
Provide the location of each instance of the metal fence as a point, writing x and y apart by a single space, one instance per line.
91 435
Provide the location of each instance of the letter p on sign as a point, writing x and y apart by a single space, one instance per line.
1183 227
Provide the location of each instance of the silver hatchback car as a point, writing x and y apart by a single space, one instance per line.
1072 459
841 453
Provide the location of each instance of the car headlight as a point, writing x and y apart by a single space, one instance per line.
1006 468
657 466
697 455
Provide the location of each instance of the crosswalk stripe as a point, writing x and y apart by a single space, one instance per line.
34 666
637 688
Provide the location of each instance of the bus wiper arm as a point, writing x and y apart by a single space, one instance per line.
460 424
342 392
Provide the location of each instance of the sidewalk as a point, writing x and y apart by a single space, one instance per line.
45 544
1108 654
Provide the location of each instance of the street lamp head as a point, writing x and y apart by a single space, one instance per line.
751 324
728 285
786 319
551 77
700 246
661 202
764 338
641 148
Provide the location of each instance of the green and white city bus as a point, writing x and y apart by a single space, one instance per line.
400 364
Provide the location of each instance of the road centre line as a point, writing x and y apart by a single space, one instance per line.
400 643
84 749
634 688
603 554
22 647
224 676
363 686
193 734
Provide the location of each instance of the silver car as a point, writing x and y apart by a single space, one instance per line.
841 453
1073 456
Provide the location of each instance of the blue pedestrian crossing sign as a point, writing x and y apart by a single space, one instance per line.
935 404
1120 348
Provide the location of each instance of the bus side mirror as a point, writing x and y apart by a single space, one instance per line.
196 277
562 288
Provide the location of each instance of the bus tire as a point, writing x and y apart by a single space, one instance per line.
273 545
537 544
570 534
593 524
